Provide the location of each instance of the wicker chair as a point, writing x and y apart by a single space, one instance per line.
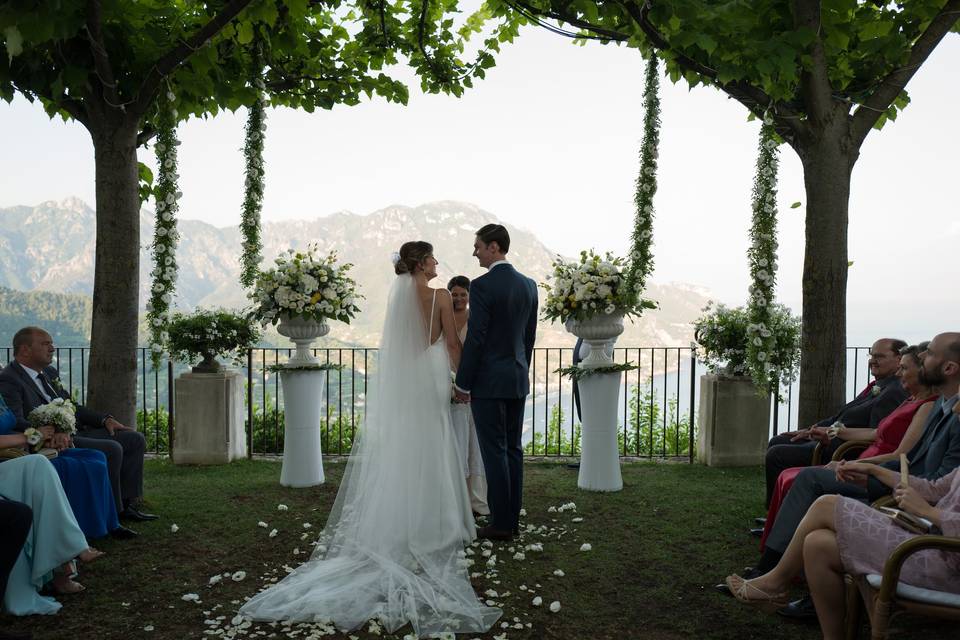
842 451
884 596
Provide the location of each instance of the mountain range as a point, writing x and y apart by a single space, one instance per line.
50 248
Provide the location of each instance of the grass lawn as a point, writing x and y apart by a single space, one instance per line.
657 547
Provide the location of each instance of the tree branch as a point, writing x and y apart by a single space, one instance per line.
607 34
814 83
890 87
101 61
787 122
176 56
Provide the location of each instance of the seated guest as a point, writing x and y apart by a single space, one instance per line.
461 415
52 543
934 456
842 535
30 381
875 402
83 474
896 434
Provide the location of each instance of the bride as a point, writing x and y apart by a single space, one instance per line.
392 548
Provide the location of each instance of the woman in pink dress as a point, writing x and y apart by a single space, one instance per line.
896 434
842 535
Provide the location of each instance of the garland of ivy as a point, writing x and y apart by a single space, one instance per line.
253 196
579 373
641 255
762 254
165 234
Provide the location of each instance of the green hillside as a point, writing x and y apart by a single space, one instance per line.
65 315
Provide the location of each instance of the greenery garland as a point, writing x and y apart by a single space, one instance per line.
641 255
165 234
762 254
323 366
579 373
253 196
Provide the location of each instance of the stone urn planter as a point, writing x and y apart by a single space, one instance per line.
734 422
599 332
302 332
303 388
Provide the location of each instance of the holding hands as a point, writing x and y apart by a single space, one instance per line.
112 425
853 472
811 433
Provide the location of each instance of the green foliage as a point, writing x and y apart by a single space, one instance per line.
65 315
641 254
646 434
152 423
254 183
210 332
557 440
762 254
723 332
337 432
579 373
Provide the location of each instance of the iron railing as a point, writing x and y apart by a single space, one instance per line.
657 406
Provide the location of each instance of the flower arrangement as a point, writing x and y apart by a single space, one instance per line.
590 287
254 183
306 285
208 333
58 413
723 335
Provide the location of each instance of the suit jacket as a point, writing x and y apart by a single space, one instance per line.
867 409
22 396
934 456
500 334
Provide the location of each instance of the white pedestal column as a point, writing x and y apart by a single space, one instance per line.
209 418
599 454
302 400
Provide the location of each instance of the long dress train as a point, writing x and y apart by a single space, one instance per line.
392 548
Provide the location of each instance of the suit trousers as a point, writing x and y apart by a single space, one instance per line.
783 454
811 483
124 451
499 424
17 518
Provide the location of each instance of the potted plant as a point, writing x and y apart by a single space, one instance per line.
206 334
746 364
301 292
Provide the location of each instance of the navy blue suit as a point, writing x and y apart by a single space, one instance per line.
495 369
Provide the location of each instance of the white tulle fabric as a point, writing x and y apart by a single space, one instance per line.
392 549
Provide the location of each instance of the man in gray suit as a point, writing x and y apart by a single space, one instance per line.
30 381
934 456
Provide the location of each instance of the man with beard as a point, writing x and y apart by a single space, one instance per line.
934 456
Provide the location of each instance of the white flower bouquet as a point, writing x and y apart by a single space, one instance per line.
306 285
590 287
58 413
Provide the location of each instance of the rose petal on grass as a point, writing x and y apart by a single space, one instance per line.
237 576
555 606
282 507
537 601
174 528
586 546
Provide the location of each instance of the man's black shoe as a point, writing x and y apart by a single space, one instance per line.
122 533
135 515
760 521
801 609
757 533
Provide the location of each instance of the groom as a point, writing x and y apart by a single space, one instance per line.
494 374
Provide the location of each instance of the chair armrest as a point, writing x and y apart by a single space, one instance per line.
817 454
851 445
891 569
10 453
885 501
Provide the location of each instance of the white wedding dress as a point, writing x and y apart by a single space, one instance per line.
393 546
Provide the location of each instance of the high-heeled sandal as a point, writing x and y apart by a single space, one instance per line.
90 554
745 592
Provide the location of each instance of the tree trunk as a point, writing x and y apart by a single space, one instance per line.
827 165
113 341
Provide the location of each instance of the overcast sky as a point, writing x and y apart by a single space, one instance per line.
549 142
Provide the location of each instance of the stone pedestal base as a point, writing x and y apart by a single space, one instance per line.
734 422
209 418
302 400
599 454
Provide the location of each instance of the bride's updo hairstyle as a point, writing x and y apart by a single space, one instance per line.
412 254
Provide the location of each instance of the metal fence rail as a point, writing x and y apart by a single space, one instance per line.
657 406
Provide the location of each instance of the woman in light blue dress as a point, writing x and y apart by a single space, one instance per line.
54 540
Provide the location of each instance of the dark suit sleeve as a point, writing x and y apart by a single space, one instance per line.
477 326
86 417
890 399
12 393
530 334
951 457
